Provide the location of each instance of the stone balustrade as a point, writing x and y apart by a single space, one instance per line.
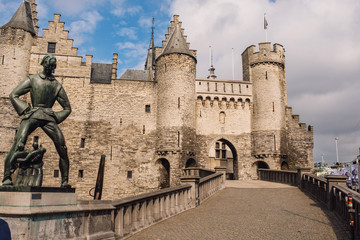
331 191
141 211
197 172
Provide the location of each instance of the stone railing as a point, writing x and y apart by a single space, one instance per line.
331 191
288 177
135 213
197 172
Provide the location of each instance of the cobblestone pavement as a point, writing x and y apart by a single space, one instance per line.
251 210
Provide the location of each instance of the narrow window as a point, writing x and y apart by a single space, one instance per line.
147 108
215 86
266 75
81 173
120 121
51 47
178 102
264 52
56 173
165 67
129 174
3 59
274 143
199 83
247 86
143 129
273 107
232 88
82 143
178 139
239 88
223 154
208 86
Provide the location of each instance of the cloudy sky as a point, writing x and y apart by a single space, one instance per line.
321 38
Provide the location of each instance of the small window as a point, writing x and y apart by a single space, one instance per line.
217 153
3 59
199 83
247 86
232 88
51 47
208 86
82 143
56 173
239 88
224 88
215 86
129 174
223 154
81 173
120 121
178 102
266 75
147 108
143 129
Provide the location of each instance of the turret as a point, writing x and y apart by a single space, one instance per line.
266 70
16 39
175 76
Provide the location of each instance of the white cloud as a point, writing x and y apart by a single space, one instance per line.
129 32
73 8
80 29
145 22
120 8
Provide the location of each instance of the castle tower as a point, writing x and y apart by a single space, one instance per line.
175 75
266 70
16 39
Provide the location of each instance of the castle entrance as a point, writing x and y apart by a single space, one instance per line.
163 172
223 154
256 166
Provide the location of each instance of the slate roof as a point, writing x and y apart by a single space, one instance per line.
101 73
22 19
133 74
177 44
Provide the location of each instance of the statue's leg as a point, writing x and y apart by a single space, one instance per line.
26 127
54 132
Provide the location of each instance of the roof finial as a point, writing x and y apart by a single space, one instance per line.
211 69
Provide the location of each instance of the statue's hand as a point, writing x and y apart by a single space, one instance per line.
27 109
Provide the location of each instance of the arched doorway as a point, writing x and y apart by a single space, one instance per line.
284 166
256 166
222 153
190 163
163 172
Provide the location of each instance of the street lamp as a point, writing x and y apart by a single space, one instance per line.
337 152
322 159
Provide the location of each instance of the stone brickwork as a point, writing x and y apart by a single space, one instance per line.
149 129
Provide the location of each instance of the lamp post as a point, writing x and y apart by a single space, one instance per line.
322 160
337 152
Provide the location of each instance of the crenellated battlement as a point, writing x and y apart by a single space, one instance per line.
294 121
266 54
223 103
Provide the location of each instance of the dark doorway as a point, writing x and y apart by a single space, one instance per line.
284 166
262 164
164 173
190 163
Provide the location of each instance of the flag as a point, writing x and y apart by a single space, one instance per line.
265 22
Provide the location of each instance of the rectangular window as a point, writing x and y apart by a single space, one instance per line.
217 153
239 88
81 173
224 88
147 108
223 154
82 143
266 75
273 107
143 129
215 86
51 47
3 59
56 173
178 139
232 88
178 102
208 86
129 174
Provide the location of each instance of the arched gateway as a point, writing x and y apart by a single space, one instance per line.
222 153
163 172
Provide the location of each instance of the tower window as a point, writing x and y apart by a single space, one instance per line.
215 86
178 139
129 174
247 86
266 75
2 59
82 143
232 88
239 88
143 129
147 108
224 87
178 102
199 83
273 107
51 47
208 86
81 173
56 173
120 121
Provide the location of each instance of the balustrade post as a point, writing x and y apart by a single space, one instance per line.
223 171
194 191
333 180
300 173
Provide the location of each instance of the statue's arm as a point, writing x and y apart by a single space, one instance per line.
20 106
65 104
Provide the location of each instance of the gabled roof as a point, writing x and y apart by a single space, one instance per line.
177 44
22 19
101 73
133 74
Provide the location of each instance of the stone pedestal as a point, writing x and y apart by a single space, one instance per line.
54 213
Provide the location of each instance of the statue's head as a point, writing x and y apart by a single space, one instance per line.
49 64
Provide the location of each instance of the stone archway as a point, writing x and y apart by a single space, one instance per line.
223 153
190 163
163 172
256 166
284 166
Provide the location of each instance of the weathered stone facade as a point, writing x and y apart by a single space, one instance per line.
152 123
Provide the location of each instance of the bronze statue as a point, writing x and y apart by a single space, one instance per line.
30 165
44 91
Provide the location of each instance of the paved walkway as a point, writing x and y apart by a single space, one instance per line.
251 210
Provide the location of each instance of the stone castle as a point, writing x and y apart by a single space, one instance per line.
152 123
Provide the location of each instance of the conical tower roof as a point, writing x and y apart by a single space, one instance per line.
22 19
177 44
